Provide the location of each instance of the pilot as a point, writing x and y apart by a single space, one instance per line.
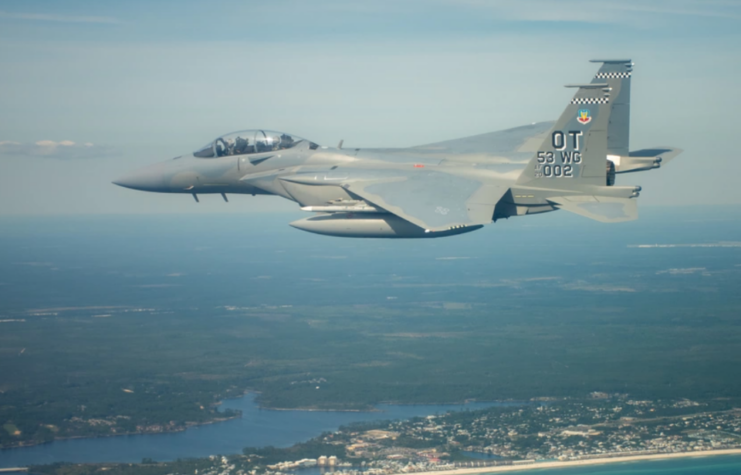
286 141
275 143
261 145
230 146
221 147
240 147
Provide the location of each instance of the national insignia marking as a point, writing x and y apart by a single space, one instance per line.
583 116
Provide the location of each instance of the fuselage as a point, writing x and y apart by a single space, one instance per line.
263 172
232 174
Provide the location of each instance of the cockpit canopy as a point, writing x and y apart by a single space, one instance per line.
251 141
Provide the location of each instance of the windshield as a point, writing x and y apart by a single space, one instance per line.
250 141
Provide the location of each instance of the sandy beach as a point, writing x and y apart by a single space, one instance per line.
579 463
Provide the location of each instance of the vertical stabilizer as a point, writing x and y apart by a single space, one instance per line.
574 153
616 74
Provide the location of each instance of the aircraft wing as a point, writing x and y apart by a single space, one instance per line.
646 159
433 200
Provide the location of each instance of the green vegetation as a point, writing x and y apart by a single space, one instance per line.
145 468
154 371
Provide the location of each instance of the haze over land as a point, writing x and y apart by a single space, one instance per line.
153 319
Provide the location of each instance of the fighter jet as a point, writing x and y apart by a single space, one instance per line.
440 189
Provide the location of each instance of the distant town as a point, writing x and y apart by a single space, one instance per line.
601 428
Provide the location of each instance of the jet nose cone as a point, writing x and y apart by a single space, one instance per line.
146 179
141 181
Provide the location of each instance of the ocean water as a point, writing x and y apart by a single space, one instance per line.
712 465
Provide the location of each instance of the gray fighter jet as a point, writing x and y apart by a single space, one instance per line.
440 189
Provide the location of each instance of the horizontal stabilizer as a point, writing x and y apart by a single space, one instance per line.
666 153
646 159
601 208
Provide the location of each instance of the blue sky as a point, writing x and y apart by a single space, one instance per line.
133 83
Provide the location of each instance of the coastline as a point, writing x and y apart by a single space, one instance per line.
217 420
582 463
119 434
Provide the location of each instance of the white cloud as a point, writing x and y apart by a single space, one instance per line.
683 271
664 246
63 150
57 18
583 285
